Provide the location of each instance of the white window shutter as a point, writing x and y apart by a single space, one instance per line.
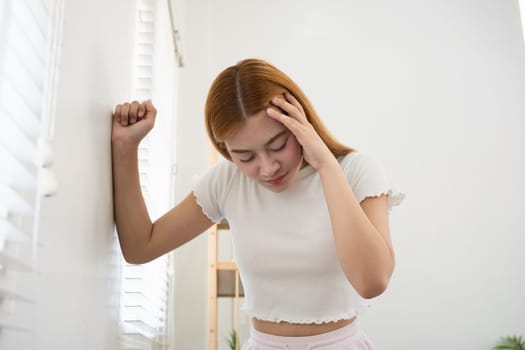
145 287
25 32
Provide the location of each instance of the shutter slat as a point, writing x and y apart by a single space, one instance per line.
33 27
146 27
11 232
145 287
139 314
15 173
8 324
28 58
142 94
132 340
12 295
14 202
145 38
24 60
23 82
147 16
156 309
135 327
40 16
144 59
17 109
156 297
147 5
144 49
140 277
16 141
9 262
143 71
144 83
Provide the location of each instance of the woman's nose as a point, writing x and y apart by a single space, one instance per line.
269 167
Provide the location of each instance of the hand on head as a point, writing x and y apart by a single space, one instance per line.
290 113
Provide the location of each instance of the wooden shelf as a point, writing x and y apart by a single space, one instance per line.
223 280
226 283
226 265
223 225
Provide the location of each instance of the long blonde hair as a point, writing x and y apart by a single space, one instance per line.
242 90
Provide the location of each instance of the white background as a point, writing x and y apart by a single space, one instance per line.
436 90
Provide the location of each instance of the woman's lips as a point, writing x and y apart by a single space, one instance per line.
277 180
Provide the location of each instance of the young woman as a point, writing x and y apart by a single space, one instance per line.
308 215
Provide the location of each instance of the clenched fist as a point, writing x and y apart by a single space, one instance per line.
132 121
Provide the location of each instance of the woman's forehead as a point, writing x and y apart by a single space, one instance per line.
255 132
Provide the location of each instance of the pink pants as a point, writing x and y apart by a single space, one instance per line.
350 337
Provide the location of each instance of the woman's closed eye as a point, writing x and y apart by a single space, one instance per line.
246 160
281 147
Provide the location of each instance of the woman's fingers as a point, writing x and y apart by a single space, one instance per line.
291 114
288 111
282 104
141 111
132 121
278 114
124 114
290 105
149 109
291 123
133 112
130 113
291 98
117 113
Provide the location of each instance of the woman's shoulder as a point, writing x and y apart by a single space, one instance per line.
356 159
368 177
220 175
223 167
361 168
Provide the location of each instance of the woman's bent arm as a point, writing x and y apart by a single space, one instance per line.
134 226
361 233
140 239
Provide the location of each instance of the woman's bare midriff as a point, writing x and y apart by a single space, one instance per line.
286 329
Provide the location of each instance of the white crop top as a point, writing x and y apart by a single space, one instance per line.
282 242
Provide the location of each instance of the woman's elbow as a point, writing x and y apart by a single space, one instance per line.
373 285
134 258
372 289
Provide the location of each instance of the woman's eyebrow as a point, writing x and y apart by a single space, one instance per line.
272 139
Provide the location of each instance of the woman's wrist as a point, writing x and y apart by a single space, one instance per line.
123 146
329 166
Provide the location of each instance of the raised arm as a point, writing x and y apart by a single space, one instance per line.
140 239
361 230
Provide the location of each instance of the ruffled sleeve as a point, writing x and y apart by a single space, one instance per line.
208 190
368 178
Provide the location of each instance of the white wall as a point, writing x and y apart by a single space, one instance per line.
435 90
78 262
192 154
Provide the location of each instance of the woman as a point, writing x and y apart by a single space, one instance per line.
308 215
